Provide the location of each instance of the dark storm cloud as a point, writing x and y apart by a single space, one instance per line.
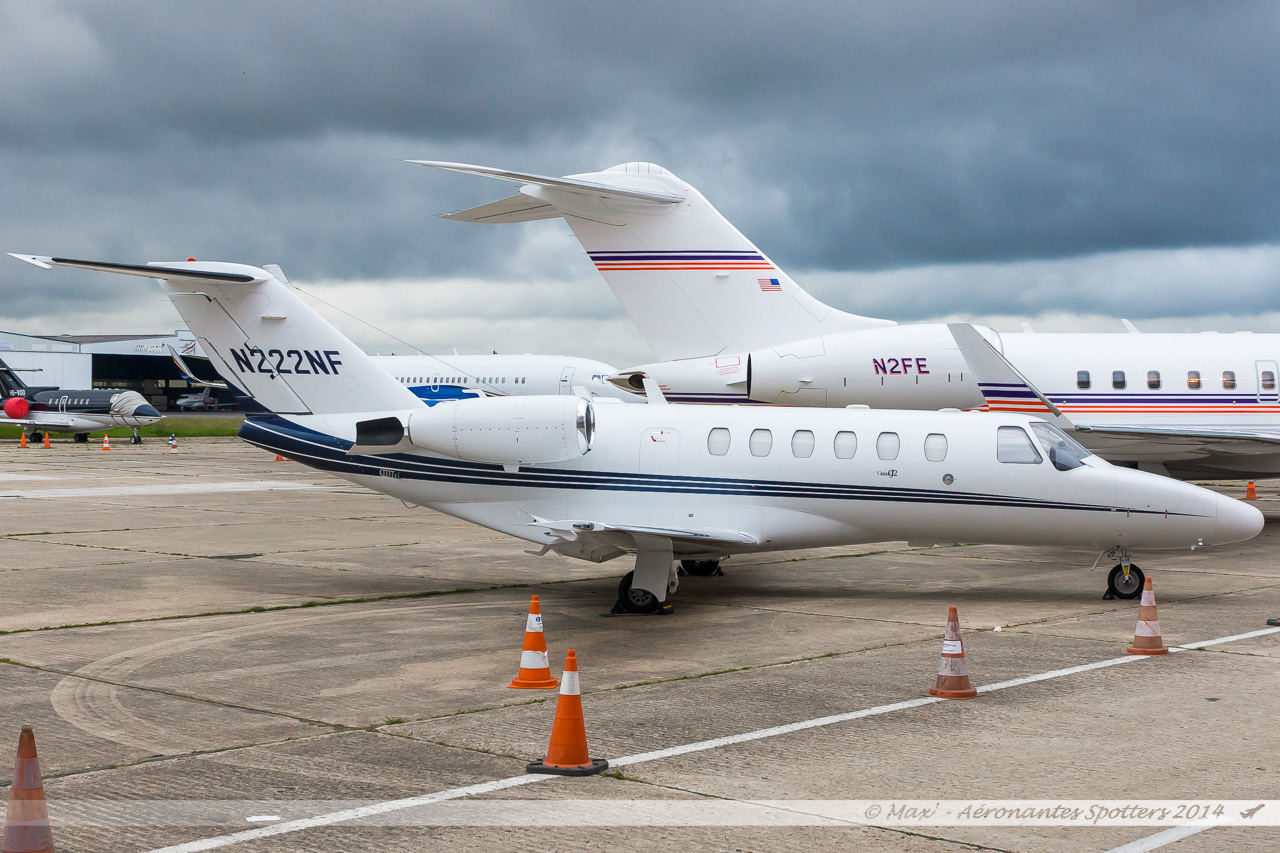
837 136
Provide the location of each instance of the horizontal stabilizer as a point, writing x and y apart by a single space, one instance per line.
1002 384
187 269
569 183
517 208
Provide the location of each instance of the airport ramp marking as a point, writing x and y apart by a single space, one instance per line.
1160 839
167 489
699 746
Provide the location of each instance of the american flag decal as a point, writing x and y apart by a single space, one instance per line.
770 285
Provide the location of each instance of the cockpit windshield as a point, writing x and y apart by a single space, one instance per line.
1064 451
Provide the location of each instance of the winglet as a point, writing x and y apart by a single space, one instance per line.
189 375
653 392
1002 384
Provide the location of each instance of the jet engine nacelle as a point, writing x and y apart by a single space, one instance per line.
900 367
507 430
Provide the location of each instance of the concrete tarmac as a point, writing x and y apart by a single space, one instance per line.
216 626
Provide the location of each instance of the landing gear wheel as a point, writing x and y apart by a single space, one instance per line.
635 600
135 438
82 438
701 568
34 438
1119 586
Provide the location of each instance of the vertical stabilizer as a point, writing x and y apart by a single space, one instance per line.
689 280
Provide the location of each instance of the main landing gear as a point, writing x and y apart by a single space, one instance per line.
81 438
633 598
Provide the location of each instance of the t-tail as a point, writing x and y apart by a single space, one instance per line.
689 280
265 341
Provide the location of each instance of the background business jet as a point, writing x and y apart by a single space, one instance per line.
78 411
729 326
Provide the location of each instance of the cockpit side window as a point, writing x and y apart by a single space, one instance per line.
1013 445
1064 451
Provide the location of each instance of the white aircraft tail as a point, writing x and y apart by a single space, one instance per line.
689 280
264 340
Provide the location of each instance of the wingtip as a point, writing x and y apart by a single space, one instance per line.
41 261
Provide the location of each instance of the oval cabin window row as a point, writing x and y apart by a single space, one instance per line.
1119 382
844 445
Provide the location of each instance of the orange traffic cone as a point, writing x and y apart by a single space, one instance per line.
567 755
23 443
953 674
1146 637
46 439
26 827
535 670
1250 493
279 458
106 442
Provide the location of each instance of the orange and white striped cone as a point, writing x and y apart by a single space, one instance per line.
106 442
953 673
567 755
535 669
173 445
279 458
26 826
1146 637
1250 493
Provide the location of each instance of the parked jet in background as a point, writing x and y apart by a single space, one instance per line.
79 412
731 327
597 480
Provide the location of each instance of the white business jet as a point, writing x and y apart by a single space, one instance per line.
597 480
729 326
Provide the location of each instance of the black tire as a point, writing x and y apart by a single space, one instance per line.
701 568
34 438
1121 587
636 600
82 438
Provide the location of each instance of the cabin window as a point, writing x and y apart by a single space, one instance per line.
1268 380
846 444
1229 380
1193 380
1117 380
1153 380
761 442
802 442
718 441
935 447
1013 445
887 445
1082 380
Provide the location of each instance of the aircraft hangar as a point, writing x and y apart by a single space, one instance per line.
137 362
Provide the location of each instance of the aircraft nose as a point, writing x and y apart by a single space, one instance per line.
1237 520
146 410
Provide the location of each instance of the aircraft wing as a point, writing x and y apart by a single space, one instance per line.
50 420
1195 440
545 197
600 537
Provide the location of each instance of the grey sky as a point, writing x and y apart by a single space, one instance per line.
1007 159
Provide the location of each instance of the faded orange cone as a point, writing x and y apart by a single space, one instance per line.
535 669
1250 493
953 673
26 827
567 755
1146 637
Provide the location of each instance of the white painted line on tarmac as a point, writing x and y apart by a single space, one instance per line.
670 752
1160 839
170 489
